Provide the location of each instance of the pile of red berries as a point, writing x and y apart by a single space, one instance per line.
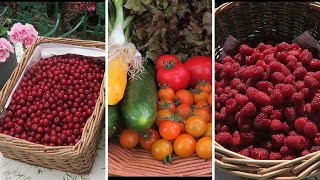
267 101
54 100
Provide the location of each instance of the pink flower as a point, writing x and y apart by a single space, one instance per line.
3 54
6 45
25 34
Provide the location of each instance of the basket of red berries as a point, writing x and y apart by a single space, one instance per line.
267 97
52 106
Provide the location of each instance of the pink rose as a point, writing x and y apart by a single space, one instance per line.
4 54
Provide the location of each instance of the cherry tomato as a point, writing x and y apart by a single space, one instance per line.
166 93
200 96
183 110
161 148
148 138
166 104
200 68
184 145
164 59
163 114
184 97
208 132
204 86
195 126
203 105
204 147
210 99
173 75
169 130
203 113
129 138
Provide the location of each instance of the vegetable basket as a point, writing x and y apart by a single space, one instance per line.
77 159
253 22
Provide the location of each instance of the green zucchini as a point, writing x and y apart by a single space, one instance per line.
113 119
139 104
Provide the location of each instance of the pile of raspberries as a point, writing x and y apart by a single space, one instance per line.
267 102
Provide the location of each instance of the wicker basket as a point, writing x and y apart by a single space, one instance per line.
77 159
253 22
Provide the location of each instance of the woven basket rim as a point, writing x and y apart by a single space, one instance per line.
239 165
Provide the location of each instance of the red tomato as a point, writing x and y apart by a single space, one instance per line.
200 68
148 138
174 75
166 58
169 130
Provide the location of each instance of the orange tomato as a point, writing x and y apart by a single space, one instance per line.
204 86
200 96
161 148
166 93
204 147
162 115
184 97
129 138
183 110
203 105
195 126
203 113
166 104
210 99
208 132
184 145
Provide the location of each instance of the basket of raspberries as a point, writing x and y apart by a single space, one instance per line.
267 90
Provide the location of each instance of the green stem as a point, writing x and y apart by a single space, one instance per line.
117 34
127 21
119 14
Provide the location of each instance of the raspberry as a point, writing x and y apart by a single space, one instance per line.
276 98
292 133
294 53
241 100
305 57
299 72
282 47
258 73
295 46
300 123
315 64
266 52
277 77
227 59
264 85
276 114
228 71
297 98
259 153
223 138
269 58
290 114
284 150
219 117
261 122
291 58
248 110
316 75
310 130
291 66
289 157
241 88
299 85
289 79
285 127
244 123
295 142
218 67
317 139
245 152
314 149
262 64
231 105
274 155
261 47
267 109
282 56
245 50
304 152
315 103
278 140
235 82
262 98
276 125
247 137
236 139
288 90
311 82
251 93
224 128
255 56
275 66
286 71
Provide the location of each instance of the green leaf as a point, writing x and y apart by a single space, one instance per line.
135 5
3 31
37 6
44 8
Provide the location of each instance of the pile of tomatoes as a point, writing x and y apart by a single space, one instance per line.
183 125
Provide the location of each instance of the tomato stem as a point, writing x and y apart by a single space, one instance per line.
167 159
169 65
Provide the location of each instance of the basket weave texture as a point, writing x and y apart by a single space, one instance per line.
138 162
77 159
252 23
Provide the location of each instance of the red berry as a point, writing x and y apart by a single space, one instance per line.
224 138
274 155
259 153
276 125
262 98
300 123
310 130
248 110
295 142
